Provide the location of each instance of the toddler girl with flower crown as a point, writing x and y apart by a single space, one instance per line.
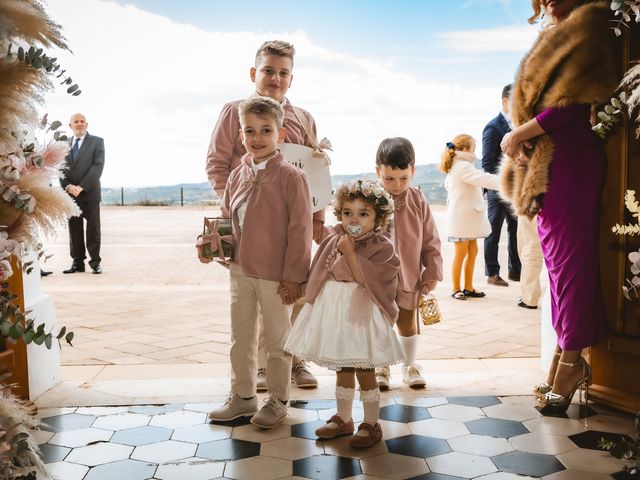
346 324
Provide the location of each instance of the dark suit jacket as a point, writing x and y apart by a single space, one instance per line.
86 169
491 138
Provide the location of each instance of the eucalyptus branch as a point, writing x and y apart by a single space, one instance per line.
625 448
36 58
15 324
611 115
626 10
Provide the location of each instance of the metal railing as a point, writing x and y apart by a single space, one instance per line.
181 196
159 196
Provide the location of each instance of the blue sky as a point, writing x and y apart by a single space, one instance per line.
404 32
156 73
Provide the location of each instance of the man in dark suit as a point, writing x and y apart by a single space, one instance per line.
81 179
499 211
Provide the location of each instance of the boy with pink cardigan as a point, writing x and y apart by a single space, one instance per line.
415 236
269 204
272 74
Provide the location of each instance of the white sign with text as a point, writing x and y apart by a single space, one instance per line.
315 168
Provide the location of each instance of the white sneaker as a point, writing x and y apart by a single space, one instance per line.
383 377
412 377
234 407
272 413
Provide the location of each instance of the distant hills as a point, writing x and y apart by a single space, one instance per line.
424 174
427 177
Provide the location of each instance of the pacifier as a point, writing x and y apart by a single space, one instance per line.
354 229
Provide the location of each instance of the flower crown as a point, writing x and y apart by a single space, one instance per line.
372 191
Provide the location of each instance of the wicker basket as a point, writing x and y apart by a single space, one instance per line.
429 309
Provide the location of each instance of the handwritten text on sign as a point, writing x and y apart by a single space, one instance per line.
315 168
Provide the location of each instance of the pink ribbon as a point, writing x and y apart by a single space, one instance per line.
214 239
319 151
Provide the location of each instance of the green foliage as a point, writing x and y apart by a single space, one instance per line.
15 324
36 58
627 10
611 115
624 448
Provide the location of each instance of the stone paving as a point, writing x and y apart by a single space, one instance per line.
156 304
151 359
425 438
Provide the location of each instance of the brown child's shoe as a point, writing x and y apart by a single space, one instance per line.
366 441
343 428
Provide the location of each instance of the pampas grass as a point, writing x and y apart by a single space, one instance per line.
15 460
28 20
22 87
631 83
53 208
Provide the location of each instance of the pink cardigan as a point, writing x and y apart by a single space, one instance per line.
226 148
275 240
417 243
379 263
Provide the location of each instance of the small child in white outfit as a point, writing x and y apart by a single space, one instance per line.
347 322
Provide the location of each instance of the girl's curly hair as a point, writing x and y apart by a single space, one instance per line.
369 192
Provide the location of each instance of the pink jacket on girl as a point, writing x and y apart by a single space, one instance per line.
417 244
379 264
275 240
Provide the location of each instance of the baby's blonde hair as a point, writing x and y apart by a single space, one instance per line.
462 142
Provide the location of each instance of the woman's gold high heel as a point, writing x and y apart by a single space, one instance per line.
556 403
540 390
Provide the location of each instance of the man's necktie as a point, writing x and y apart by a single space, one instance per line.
75 148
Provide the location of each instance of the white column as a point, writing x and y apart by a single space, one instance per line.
44 365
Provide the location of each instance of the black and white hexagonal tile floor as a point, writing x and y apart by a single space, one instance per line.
428 438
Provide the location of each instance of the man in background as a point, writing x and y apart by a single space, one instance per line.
81 180
499 211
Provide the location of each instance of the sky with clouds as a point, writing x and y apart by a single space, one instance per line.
155 73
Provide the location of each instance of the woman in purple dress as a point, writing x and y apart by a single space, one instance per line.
555 166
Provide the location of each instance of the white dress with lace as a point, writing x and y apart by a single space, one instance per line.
329 334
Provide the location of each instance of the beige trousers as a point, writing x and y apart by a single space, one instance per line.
530 254
262 348
247 294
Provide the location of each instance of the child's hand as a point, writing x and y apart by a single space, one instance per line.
346 244
289 292
429 286
200 243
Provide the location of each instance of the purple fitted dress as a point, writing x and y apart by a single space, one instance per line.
568 225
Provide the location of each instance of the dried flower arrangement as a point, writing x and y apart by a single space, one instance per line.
30 204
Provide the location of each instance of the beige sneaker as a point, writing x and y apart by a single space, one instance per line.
383 377
412 377
302 377
261 380
234 407
272 413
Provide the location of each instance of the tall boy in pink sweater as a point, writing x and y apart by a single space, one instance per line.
269 204
272 75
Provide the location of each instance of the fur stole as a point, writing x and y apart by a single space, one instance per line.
574 62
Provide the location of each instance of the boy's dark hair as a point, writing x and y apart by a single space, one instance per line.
506 91
396 152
